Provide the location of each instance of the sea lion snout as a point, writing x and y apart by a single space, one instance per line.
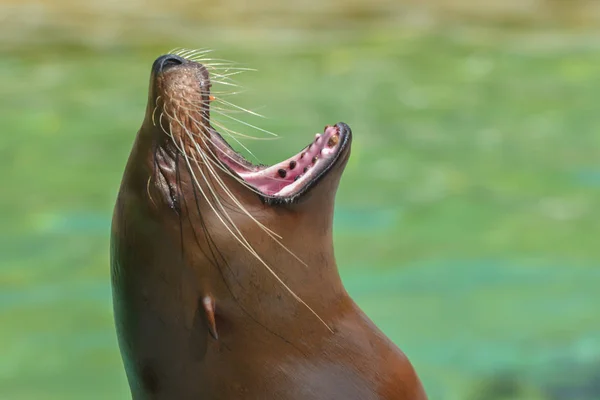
164 62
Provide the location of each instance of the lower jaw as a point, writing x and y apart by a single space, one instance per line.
289 177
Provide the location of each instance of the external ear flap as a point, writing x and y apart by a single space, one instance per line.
208 304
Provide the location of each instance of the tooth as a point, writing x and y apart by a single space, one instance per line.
333 140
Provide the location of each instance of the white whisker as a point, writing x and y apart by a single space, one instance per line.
226 189
202 158
238 107
247 124
245 243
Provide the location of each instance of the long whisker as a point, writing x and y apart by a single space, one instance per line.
227 93
204 103
247 124
191 53
230 194
246 245
226 83
197 108
229 67
245 184
203 138
204 160
238 107
220 61
154 111
160 123
231 134
240 238
200 128
227 76
199 150
198 125
206 123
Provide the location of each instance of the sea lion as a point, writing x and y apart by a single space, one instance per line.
225 284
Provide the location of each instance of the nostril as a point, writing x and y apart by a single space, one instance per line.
171 61
167 61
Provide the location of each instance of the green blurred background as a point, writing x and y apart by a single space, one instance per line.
465 222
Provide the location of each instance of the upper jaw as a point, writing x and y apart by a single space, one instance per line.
284 182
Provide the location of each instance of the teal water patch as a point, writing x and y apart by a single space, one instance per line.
48 293
365 219
588 178
16 249
478 317
460 276
91 222
87 222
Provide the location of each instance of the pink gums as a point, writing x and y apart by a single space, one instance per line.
286 177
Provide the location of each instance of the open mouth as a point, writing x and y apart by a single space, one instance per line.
282 182
295 175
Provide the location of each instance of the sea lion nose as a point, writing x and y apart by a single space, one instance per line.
167 61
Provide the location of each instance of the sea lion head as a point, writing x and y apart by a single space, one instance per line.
206 243
197 174
178 116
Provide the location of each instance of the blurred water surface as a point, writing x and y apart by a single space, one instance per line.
466 219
